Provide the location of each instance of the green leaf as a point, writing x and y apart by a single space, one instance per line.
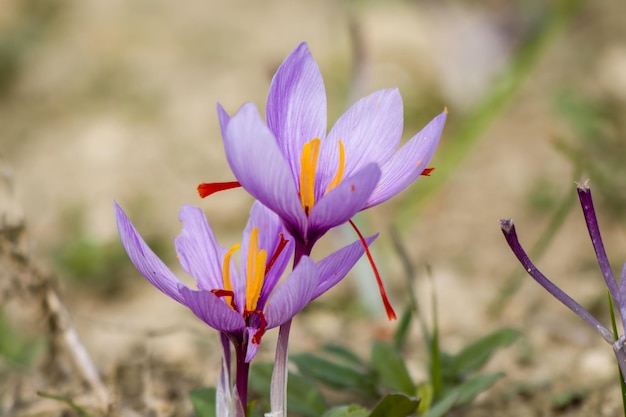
445 405
389 366
395 405
402 332
344 353
347 411
436 376
334 375
425 393
70 403
203 401
474 385
303 396
475 355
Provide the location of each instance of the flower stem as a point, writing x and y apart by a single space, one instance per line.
508 229
584 194
243 369
278 390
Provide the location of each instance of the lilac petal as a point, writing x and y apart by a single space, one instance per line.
198 251
260 167
293 294
252 348
370 131
296 105
144 259
212 310
223 118
408 163
343 202
334 267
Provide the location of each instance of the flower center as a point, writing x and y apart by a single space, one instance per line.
257 268
308 169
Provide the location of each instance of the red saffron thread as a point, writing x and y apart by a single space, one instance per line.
205 189
391 315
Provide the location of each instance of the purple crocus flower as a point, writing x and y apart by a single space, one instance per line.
315 181
312 180
241 303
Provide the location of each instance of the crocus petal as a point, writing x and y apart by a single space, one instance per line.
198 251
223 118
293 294
407 164
260 167
252 348
144 259
343 202
296 105
334 267
370 131
212 310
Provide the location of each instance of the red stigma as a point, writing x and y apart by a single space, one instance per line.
226 293
281 245
205 189
427 172
256 339
391 315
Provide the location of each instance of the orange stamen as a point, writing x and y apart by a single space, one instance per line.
391 315
339 174
256 271
426 172
207 188
308 166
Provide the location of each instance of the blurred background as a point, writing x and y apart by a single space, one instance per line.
115 100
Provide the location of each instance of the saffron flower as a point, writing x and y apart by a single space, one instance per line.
316 181
312 180
241 303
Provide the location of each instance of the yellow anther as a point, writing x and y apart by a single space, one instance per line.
308 162
256 271
228 285
339 174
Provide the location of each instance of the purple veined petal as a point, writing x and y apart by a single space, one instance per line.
145 260
198 251
252 348
293 294
408 163
212 310
261 168
335 266
343 202
223 118
296 105
370 131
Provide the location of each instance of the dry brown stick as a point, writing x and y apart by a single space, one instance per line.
23 278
